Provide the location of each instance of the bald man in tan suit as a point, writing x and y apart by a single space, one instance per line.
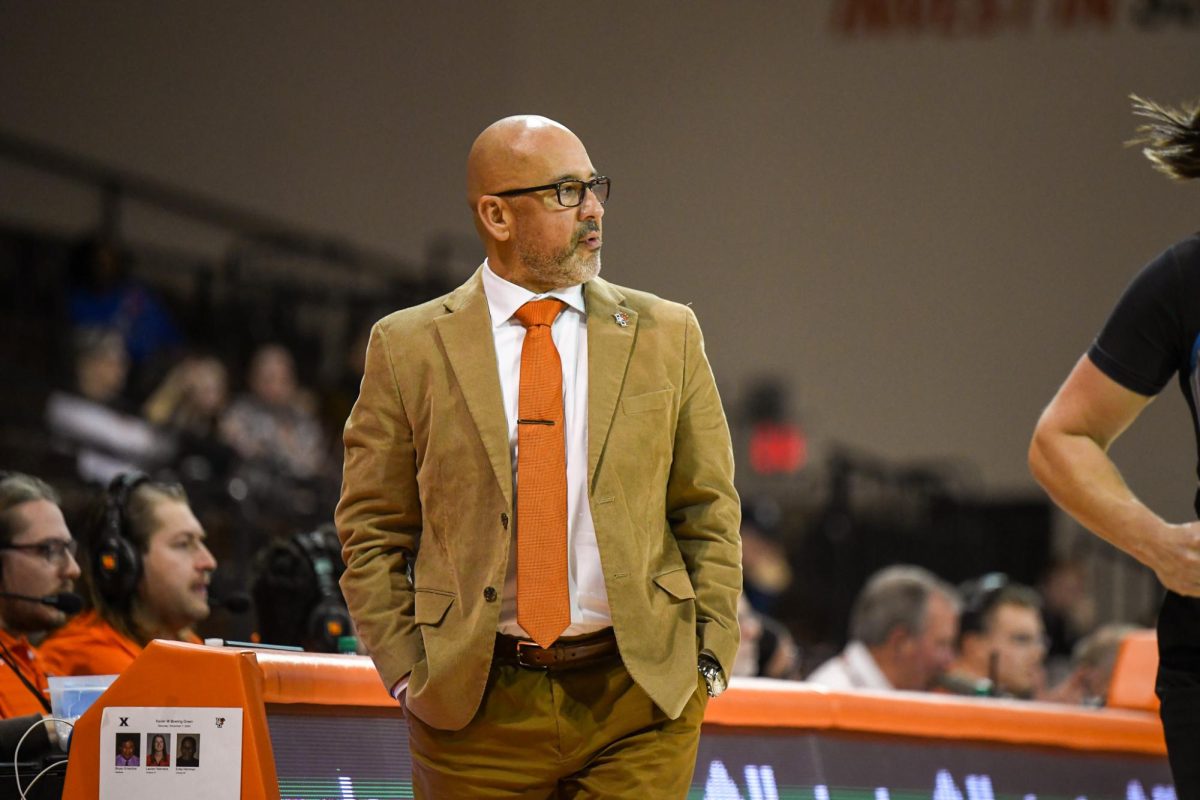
611 706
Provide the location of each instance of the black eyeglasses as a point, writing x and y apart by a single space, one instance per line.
570 192
54 551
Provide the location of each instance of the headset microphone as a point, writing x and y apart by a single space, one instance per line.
67 602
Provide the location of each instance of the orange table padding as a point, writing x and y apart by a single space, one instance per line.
1132 684
322 679
178 674
758 702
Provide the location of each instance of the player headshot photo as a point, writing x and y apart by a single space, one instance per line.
188 752
127 750
158 749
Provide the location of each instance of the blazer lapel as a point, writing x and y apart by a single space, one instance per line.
466 334
609 345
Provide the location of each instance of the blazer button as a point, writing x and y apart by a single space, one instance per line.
489 594
504 521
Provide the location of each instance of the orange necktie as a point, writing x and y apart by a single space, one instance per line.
543 601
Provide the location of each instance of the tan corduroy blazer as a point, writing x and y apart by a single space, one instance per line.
427 497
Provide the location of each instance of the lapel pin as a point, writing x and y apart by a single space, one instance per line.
622 319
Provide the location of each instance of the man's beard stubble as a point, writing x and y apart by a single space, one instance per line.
567 267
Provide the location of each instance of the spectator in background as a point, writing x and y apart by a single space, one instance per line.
101 367
765 570
765 649
1068 609
274 424
104 295
191 397
92 421
1001 642
283 466
36 560
902 629
1092 662
188 405
147 571
338 397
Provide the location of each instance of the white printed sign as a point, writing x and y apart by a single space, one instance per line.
182 753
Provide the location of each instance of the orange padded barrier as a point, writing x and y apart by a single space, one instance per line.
177 674
757 702
322 679
1132 684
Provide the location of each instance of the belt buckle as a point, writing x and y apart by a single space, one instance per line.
523 645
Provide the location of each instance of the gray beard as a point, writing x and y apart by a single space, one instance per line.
567 267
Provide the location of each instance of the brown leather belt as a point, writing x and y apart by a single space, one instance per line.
567 653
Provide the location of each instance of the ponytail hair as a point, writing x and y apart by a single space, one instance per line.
1171 139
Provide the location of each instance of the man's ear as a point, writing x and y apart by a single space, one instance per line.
897 639
496 217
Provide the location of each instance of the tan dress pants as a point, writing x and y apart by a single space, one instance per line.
584 733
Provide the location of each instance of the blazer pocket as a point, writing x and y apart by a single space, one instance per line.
647 402
431 606
677 584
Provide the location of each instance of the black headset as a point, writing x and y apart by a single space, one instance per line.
329 620
979 596
116 562
301 573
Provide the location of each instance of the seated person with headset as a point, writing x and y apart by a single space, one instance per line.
1001 641
296 591
37 573
146 569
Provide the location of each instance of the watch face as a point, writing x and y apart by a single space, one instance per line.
713 679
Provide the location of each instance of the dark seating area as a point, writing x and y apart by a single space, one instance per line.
120 357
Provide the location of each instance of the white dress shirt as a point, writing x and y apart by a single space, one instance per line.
589 598
854 668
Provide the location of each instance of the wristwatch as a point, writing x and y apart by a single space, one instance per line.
714 676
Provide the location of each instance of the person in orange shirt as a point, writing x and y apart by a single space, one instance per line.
37 573
147 571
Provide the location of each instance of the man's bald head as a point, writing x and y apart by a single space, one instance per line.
531 238
510 152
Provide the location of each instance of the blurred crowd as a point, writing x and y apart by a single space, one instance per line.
139 396
198 491
909 629
231 418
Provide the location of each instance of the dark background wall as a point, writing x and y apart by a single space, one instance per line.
917 229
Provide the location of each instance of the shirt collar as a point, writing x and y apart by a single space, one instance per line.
13 640
862 666
504 297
